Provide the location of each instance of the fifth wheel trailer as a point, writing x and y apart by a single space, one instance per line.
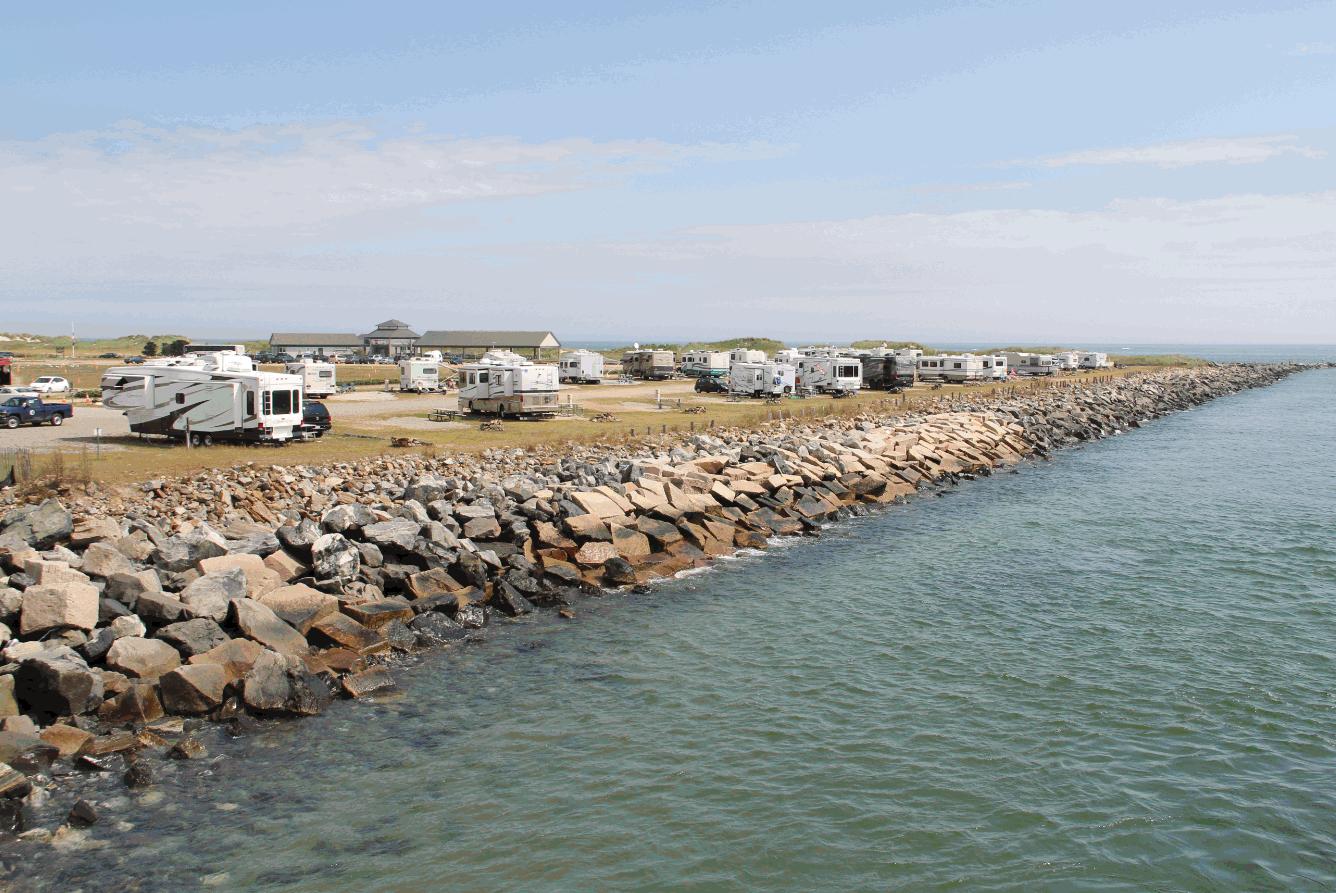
762 379
581 367
213 396
651 365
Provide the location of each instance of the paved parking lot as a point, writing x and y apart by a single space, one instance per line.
78 430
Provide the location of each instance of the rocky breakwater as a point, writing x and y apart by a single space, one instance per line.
127 621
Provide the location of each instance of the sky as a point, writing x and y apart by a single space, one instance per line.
1036 172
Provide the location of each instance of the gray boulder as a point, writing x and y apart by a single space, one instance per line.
279 685
191 637
160 608
127 587
333 556
193 689
209 595
40 526
141 658
257 621
397 534
348 518
58 683
102 559
298 538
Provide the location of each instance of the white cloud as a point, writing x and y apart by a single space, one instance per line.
1241 150
1313 49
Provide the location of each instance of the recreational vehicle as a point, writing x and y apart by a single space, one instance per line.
887 372
419 376
651 365
745 355
995 367
839 376
1067 360
768 379
789 355
317 378
581 367
954 367
1032 363
207 397
1093 360
696 363
504 383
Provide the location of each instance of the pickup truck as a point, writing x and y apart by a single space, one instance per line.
32 411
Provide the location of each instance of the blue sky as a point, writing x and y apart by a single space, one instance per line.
1010 171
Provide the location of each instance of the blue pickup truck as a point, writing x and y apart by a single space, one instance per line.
32 411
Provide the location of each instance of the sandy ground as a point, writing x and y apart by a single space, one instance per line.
78 431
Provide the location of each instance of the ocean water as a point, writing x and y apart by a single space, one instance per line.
1110 671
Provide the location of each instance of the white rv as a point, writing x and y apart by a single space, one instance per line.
1032 363
696 363
419 376
1067 360
504 383
954 367
317 378
1094 360
995 367
789 355
839 376
206 396
768 379
581 367
745 355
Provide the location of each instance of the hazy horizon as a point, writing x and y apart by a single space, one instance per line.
1154 173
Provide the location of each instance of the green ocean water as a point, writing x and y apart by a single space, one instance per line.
1111 671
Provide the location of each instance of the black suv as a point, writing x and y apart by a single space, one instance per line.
315 419
712 384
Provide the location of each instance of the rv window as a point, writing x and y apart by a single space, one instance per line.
180 398
483 377
326 373
282 402
250 403
428 370
957 366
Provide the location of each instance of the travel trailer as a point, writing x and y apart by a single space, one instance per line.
1068 360
504 383
746 355
581 367
953 367
768 379
207 397
995 367
419 376
696 363
651 365
838 376
789 355
887 372
317 378
1093 360
1032 363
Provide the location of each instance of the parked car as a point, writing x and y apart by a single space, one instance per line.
32 411
263 356
712 384
16 391
50 384
108 356
315 419
134 361
284 357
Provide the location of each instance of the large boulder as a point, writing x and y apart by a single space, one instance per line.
160 608
102 559
138 704
341 631
397 534
191 637
209 595
299 538
259 579
58 683
44 572
179 553
40 526
347 518
69 605
300 606
486 528
595 553
126 587
89 530
256 621
334 557
141 658
235 656
281 685
194 688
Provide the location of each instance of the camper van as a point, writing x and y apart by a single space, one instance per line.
838 376
651 365
696 363
419 376
581 367
207 397
745 355
1032 363
768 379
1094 360
504 383
317 378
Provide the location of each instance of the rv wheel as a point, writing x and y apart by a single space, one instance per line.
196 440
57 419
208 439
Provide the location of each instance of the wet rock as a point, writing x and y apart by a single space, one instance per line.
26 750
139 703
342 631
434 628
235 656
138 774
377 613
60 606
188 749
279 685
12 818
210 595
359 685
67 739
191 637
57 683
507 599
398 635
13 784
258 622
82 814
617 571
193 689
